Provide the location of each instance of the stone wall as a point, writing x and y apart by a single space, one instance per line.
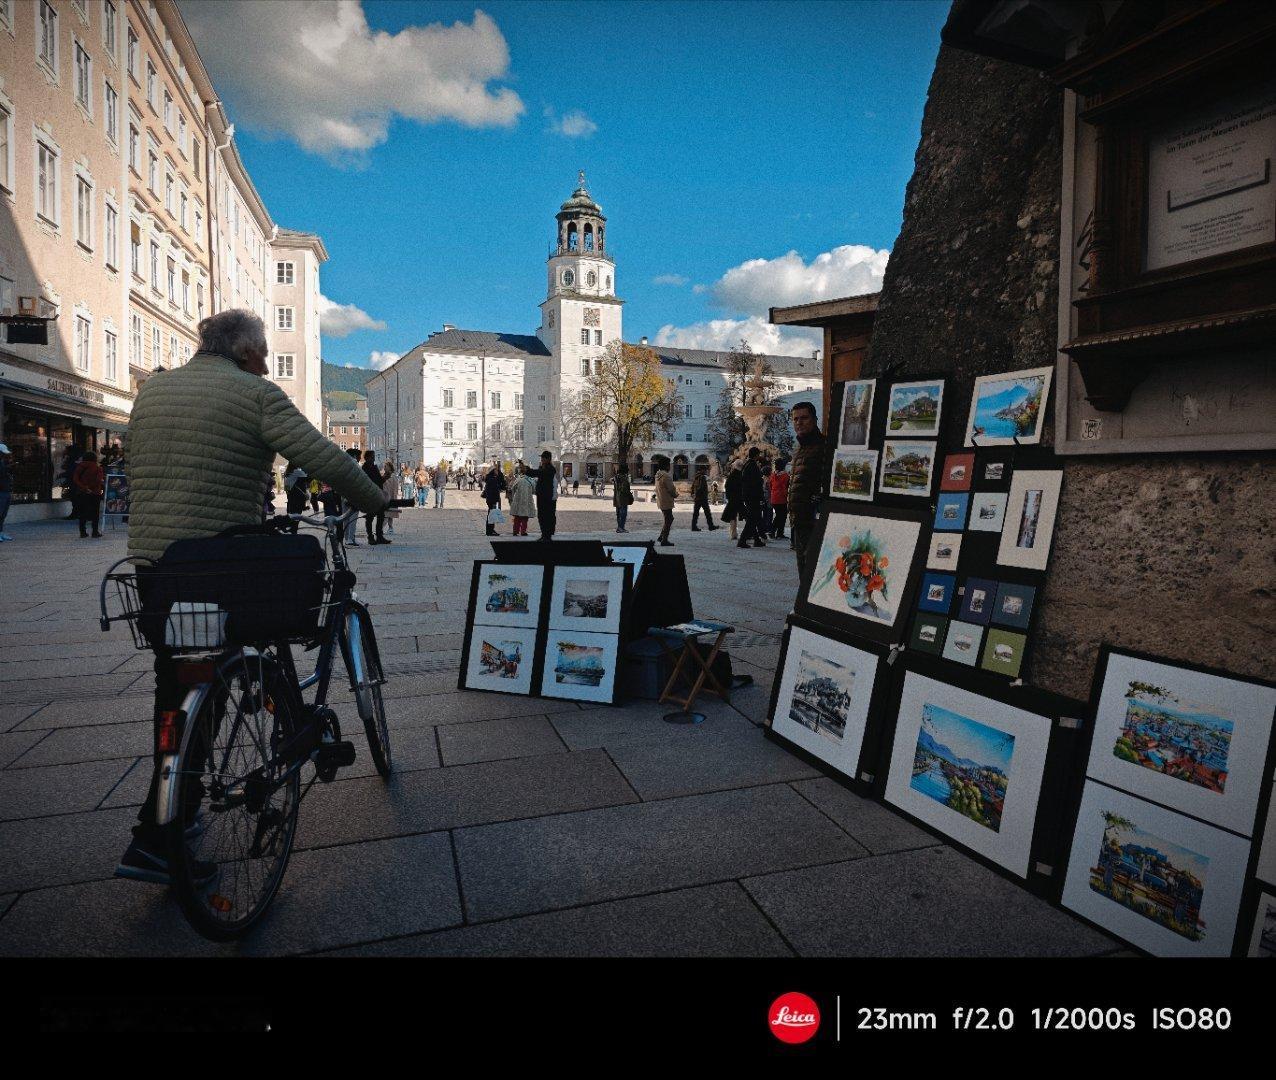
1170 554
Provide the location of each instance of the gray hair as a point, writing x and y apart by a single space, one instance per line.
231 333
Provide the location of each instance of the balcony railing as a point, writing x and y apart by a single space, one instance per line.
555 250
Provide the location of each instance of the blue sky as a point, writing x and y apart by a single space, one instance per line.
718 137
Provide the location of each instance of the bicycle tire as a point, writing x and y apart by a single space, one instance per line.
228 906
366 684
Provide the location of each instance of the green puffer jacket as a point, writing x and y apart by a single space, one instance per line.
198 451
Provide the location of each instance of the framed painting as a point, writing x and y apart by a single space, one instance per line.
1262 939
914 409
961 646
1031 510
1190 739
825 696
987 511
589 598
1014 605
929 634
993 468
1003 652
862 570
1266 868
950 511
977 600
1008 408
852 474
500 659
970 767
580 666
958 472
937 593
1165 882
945 550
907 468
506 594
857 414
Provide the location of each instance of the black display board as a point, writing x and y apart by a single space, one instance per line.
551 552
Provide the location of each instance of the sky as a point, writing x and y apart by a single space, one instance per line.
746 154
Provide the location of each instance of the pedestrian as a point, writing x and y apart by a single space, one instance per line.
494 483
329 501
768 515
295 488
622 496
700 501
731 512
70 459
423 484
666 496
377 518
546 495
392 485
352 526
6 489
751 499
90 485
576 486
715 493
806 479
440 485
779 493
522 500
314 495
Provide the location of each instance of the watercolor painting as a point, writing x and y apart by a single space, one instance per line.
914 408
1008 407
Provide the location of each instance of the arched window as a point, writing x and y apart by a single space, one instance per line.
589 237
572 238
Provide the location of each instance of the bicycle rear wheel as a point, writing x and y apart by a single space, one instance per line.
366 676
237 797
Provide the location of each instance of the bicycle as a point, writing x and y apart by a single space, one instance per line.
230 759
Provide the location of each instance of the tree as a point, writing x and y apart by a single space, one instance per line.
624 404
727 431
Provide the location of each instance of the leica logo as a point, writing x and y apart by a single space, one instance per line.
794 1018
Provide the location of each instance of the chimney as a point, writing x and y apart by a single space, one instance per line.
816 355
642 341
448 326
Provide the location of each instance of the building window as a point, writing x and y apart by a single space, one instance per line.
284 369
152 172
108 27
6 149
197 148
471 399
199 227
183 208
48 43
111 111
708 412
540 433
135 340
598 337
155 265
584 364
496 400
284 273
46 183
156 358
471 432
172 282
134 150
584 336
447 399
186 292
132 54
688 410
111 255
83 78
168 192
150 85
83 342
447 430
168 113
518 402
518 433
283 318
181 131
108 357
173 355
199 301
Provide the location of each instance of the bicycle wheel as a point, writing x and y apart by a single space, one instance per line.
237 798
366 676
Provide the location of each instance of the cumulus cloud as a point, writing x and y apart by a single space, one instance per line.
669 279
315 72
342 320
759 284
726 334
571 125
380 360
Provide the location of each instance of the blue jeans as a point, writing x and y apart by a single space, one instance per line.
421 494
622 512
439 492
5 498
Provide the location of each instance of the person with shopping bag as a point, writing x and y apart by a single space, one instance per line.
494 484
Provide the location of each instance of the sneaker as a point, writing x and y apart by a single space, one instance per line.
140 863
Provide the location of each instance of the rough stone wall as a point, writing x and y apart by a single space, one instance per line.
1170 554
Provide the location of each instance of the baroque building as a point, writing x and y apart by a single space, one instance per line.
471 396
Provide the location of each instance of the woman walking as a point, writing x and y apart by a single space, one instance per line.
622 497
422 486
392 485
493 484
89 482
731 512
666 496
522 501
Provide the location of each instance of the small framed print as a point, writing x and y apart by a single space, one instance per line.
857 413
958 472
506 594
937 593
914 409
500 659
580 666
1003 652
987 511
1266 868
977 600
962 643
1008 408
1262 939
1031 509
929 634
993 469
950 512
588 598
852 474
907 468
945 548
1014 605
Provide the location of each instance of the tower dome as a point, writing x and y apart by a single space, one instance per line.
581 224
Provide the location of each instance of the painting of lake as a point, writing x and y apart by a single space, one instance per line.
1008 407
963 764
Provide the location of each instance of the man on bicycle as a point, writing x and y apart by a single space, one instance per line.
200 445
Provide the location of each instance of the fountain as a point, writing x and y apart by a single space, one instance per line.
755 413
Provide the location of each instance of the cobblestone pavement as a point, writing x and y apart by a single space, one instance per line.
513 825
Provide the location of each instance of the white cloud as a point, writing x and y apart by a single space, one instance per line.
571 125
317 73
726 334
379 360
669 279
698 289
759 284
342 320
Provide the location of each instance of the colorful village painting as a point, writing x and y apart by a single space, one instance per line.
963 764
505 597
501 659
1007 408
821 696
580 665
914 407
1168 735
1151 876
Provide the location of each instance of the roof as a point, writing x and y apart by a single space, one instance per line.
357 415
295 238
822 312
483 342
780 365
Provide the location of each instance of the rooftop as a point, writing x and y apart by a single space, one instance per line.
780 365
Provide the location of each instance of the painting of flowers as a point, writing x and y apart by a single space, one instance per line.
863 566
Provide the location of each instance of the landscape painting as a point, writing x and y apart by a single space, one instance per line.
963 764
1164 733
958 472
1008 408
857 413
914 408
508 594
945 550
580 666
906 468
863 566
587 598
825 690
1028 527
500 659
987 511
853 474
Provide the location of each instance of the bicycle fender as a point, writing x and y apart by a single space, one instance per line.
166 792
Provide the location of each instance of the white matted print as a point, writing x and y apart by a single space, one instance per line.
914 409
635 556
501 659
1031 510
987 511
825 691
1007 407
509 594
971 767
1191 741
945 548
1163 881
587 598
580 666
863 566
907 468
857 413
1262 941
1266 868
852 474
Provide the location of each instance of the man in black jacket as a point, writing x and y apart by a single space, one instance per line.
493 484
546 495
371 471
751 496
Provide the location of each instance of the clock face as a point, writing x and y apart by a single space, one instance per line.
592 278
569 278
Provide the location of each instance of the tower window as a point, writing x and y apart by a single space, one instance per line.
591 279
569 279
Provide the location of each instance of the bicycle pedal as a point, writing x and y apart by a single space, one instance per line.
332 756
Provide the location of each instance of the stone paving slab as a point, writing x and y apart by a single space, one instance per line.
60 789
133 786
411 749
877 827
522 867
12 715
19 672
71 686
930 902
90 711
328 898
457 707
65 746
637 720
492 740
58 850
16 743
353 810
711 920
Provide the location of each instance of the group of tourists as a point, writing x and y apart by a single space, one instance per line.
532 491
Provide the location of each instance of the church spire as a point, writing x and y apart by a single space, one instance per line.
581 224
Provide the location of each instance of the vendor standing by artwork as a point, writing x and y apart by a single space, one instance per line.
806 479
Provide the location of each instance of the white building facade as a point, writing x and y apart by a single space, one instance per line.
468 396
